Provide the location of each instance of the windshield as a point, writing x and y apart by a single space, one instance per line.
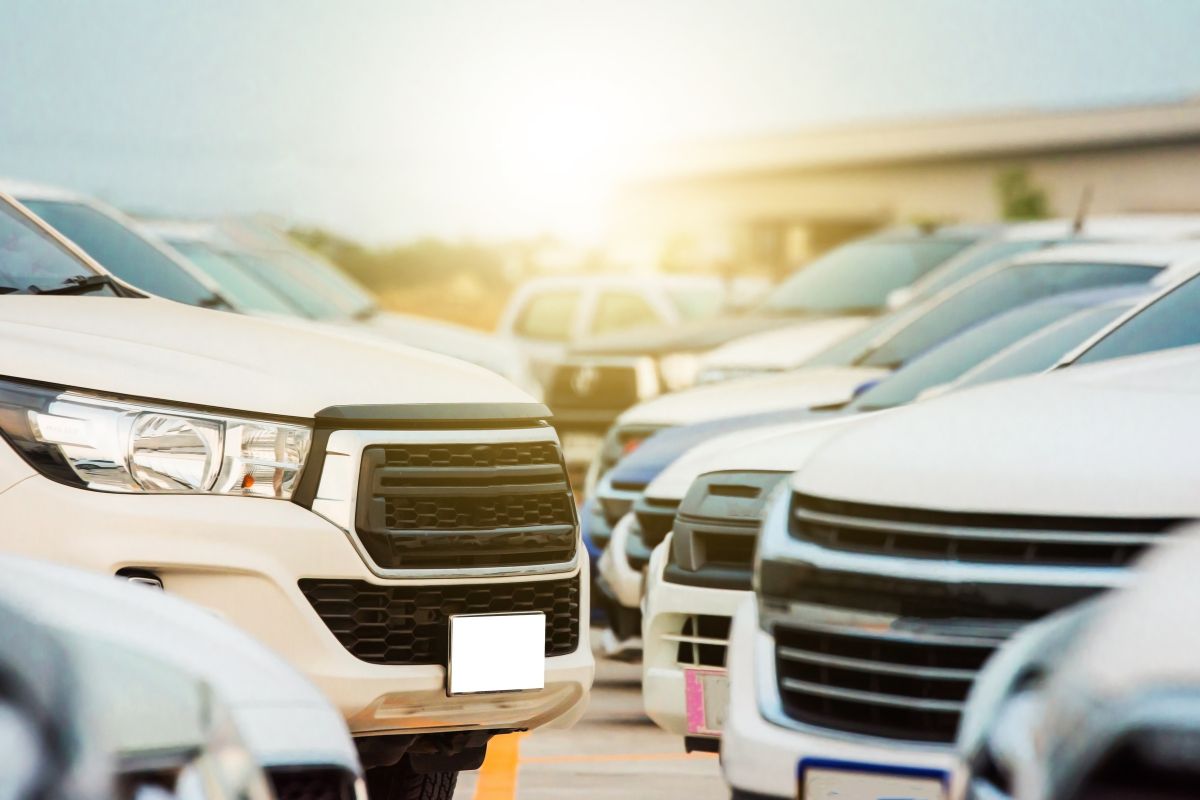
124 252
697 302
859 276
30 259
1171 321
343 291
298 289
247 292
1044 349
993 294
848 351
951 359
971 261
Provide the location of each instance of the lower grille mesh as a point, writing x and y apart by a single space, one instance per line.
296 783
410 624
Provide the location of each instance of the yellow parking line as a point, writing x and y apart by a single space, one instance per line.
498 775
604 757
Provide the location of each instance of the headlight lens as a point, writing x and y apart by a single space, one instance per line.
679 370
124 446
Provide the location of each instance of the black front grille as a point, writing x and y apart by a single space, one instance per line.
302 783
703 641
410 624
907 688
970 537
716 530
593 387
655 517
465 505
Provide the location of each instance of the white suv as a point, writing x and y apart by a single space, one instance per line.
354 505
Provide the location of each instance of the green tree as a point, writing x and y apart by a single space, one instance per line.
1019 197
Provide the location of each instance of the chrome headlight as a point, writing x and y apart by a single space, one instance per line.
132 446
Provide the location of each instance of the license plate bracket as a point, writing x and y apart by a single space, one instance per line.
823 779
496 653
706 693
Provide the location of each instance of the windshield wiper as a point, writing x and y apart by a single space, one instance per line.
214 301
78 284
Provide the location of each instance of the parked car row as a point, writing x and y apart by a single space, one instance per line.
392 530
834 574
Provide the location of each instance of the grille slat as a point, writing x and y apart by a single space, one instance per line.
409 625
702 641
973 537
465 505
909 686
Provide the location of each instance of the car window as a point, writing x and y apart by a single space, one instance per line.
343 290
617 311
296 287
549 315
1171 321
992 294
123 252
31 259
971 261
247 292
951 359
1042 350
859 276
697 302
848 351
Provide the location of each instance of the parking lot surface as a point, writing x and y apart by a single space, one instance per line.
613 752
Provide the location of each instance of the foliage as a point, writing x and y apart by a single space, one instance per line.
1019 197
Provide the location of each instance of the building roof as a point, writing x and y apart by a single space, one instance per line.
943 139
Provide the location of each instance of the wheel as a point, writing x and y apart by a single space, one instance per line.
400 782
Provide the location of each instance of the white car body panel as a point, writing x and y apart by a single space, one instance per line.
283 718
817 386
782 348
169 351
914 457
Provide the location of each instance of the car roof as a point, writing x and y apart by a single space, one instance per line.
28 190
1125 226
1154 253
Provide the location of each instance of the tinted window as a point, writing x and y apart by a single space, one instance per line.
616 311
247 292
123 252
549 316
951 359
697 302
1010 287
30 258
298 289
859 276
1172 321
1044 349
973 260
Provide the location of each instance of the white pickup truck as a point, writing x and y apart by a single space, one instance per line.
380 516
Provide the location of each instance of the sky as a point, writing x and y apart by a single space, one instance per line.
388 120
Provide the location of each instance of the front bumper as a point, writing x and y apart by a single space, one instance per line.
623 580
761 755
668 607
243 558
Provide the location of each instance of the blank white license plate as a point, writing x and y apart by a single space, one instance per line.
707 695
580 448
497 653
849 784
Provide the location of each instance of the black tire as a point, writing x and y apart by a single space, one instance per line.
399 782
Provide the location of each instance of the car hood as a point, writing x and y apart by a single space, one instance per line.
690 337
775 448
158 349
782 348
1111 439
806 388
456 341
657 452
